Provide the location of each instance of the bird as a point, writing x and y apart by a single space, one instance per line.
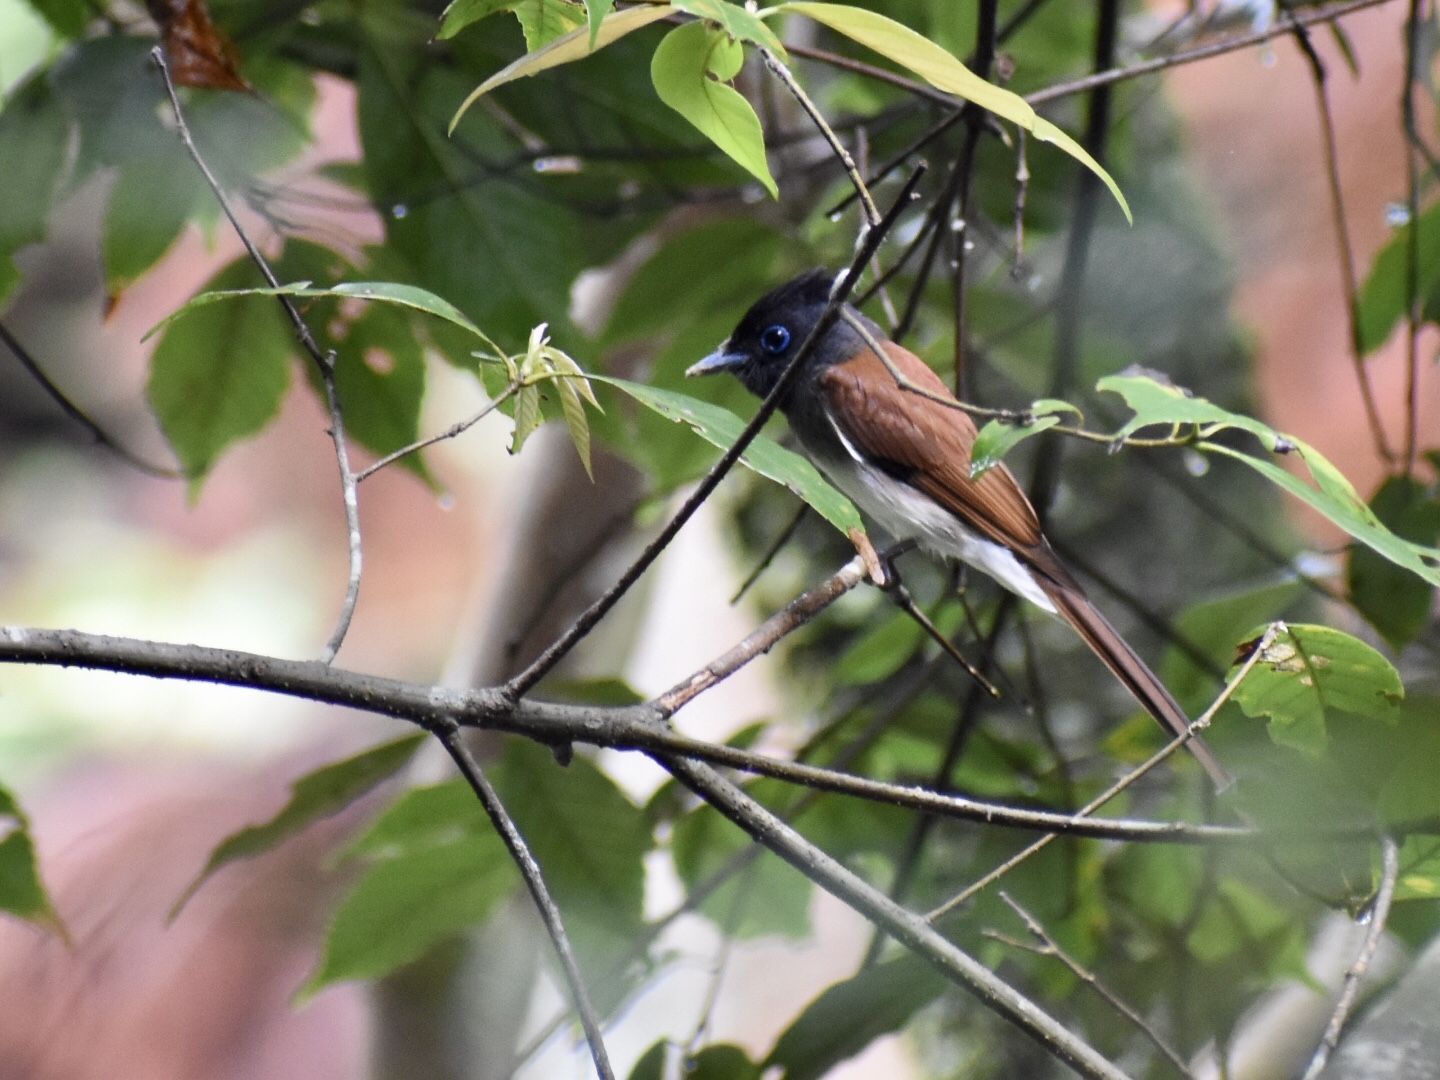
902 455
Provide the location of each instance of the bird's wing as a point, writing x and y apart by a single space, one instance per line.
928 445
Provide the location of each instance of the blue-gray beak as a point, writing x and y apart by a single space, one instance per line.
719 360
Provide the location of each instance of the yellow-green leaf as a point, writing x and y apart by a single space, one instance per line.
527 416
576 45
575 420
942 71
683 70
740 24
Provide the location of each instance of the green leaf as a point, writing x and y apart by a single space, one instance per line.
850 1015
942 71
1419 869
527 416
998 437
436 868
141 223
1394 600
1336 499
34 142
595 13
68 17
1156 403
738 23
324 792
575 45
1309 669
411 296
545 21
1333 496
766 898
22 893
461 13
1384 297
719 1062
575 420
380 374
722 428
219 375
687 68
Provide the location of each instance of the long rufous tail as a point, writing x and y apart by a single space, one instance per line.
1120 658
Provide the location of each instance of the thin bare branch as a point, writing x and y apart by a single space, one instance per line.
79 415
324 363
587 620
449 433
905 926
1374 918
783 73
776 546
1200 724
906 603
450 738
1050 947
1348 274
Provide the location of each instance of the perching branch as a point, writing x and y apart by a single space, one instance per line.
324 363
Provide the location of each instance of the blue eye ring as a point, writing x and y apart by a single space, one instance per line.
775 339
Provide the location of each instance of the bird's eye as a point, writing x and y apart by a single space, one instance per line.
775 340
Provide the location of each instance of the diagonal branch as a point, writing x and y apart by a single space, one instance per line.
592 615
324 363
534 881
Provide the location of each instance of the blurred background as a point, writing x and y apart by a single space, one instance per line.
129 782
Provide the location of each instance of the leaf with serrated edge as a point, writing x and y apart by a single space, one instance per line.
681 70
574 413
320 794
527 416
575 45
459 14
722 428
942 71
1155 403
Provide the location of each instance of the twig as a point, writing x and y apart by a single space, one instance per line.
1342 235
70 409
534 881
1050 947
1378 913
774 549
1022 190
906 603
449 433
324 362
1414 303
793 615
905 926
783 73
595 612
1200 724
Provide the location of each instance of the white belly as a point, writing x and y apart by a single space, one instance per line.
907 514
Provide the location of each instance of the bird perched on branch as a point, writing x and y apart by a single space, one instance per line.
886 431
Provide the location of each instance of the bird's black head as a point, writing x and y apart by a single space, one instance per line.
767 338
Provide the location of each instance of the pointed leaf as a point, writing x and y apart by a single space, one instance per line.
575 45
721 428
575 420
942 71
850 1015
1158 403
544 21
527 416
1309 669
22 893
595 13
324 792
682 70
